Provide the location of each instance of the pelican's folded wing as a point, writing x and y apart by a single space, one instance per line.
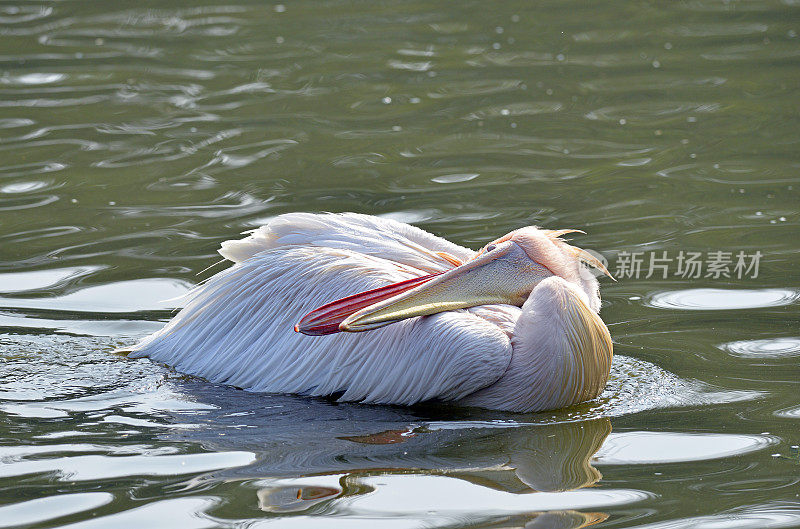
365 234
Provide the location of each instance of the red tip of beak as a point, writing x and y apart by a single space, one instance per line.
326 319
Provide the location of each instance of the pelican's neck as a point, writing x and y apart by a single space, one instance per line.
561 353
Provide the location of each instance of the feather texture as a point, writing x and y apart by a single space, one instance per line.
364 234
237 327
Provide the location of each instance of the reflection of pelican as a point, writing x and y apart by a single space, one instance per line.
237 327
549 520
293 436
558 456
518 460
544 458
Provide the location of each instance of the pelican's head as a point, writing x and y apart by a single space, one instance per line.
504 271
539 254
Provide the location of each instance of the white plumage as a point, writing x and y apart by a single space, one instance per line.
238 326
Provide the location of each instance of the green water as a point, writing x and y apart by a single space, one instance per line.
137 136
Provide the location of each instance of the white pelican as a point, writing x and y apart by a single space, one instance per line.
512 327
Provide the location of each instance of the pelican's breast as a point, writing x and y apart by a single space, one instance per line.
561 353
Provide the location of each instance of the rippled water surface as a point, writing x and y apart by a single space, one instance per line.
137 136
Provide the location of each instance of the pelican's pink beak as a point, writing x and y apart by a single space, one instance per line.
327 318
503 275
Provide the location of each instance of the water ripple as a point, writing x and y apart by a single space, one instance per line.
42 280
534 146
765 348
228 205
419 495
764 516
10 123
528 108
476 88
717 30
636 448
45 509
187 513
11 204
652 113
22 14
723 299
789 413
32 79
13 171
95 467
123 296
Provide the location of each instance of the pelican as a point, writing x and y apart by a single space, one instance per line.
372 310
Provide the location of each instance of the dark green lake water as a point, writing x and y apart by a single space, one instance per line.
137 136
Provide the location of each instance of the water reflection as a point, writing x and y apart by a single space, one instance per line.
442 501
265 457
557 457
550 520
294 498
293 435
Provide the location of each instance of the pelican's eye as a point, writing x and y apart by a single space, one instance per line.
490 247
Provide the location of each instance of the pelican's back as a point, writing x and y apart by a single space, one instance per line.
364 234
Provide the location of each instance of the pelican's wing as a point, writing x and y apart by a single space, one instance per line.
237 328
365 234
